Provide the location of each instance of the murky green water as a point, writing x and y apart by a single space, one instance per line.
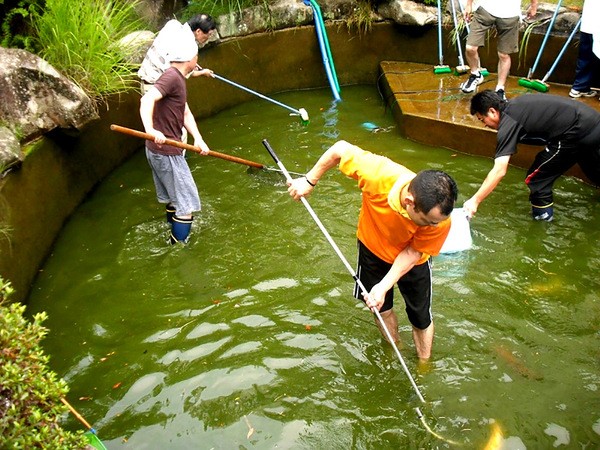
249 336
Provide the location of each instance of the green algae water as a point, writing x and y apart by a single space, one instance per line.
249 336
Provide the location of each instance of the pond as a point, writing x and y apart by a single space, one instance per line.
249 336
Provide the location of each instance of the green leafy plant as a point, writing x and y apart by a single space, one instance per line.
15 16
30 393
81 40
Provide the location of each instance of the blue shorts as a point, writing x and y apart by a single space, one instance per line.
415 286
174 182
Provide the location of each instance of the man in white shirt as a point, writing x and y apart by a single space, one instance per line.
167 41
504 16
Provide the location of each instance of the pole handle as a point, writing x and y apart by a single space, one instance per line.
258 94
185 146
271 151
76 414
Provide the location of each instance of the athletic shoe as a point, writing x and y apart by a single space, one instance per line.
471 84
576 94
501 93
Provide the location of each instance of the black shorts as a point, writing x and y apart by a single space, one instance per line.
415 286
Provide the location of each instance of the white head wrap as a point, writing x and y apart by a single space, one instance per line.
183 46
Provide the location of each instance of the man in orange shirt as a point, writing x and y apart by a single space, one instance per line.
404 219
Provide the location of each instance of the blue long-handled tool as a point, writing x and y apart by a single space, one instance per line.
441 67
527 82
299 112
541 85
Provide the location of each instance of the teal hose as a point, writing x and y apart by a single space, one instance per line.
325 51
316 7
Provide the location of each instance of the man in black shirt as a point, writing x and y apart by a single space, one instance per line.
569 130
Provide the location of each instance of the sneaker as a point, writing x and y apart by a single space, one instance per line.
501 93
471 84
576 94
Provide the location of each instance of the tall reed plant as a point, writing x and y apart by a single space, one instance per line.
81 40
361 17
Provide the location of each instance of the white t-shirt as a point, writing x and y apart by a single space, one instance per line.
502 8
590 17
590 23
166 42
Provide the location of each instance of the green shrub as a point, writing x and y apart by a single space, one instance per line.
81 40
15 16
30 393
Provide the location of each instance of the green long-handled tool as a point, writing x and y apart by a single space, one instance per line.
528 82
441 67
90 435
541 85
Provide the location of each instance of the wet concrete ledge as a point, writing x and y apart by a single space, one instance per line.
37 199
431 109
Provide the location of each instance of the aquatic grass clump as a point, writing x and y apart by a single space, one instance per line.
219 7
361 17
81 40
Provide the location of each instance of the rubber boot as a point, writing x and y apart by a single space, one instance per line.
545 213
180 230
170 211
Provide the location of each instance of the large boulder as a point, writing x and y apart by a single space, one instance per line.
36 98
283 14
406 12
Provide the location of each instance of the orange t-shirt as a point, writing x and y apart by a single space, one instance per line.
384 226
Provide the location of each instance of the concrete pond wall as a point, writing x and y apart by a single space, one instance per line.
61 169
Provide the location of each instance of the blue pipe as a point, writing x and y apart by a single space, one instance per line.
326 63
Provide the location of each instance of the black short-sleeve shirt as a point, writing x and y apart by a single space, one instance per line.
543 119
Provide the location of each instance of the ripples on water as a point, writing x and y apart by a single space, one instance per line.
249 337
